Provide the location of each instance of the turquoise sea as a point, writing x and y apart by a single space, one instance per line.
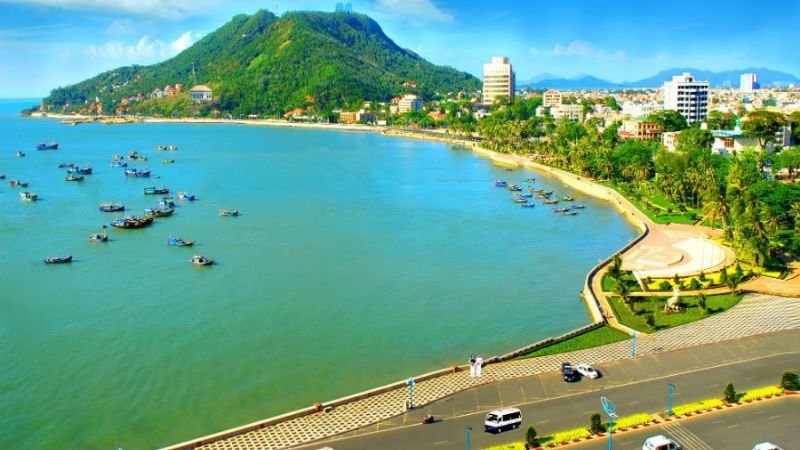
357 260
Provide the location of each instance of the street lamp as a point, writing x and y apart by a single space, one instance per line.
670 387
410 384
608 407
468 429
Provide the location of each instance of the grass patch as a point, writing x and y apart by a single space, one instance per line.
595 338
628 279
658 208
641 307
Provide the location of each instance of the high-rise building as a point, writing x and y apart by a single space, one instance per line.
498 80
748 82
551 98
687 96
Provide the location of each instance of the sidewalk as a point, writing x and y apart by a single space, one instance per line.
755 314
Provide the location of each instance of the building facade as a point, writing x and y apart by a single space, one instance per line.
200 93
635 109
551 98
569 112
687 96
498 80
748 82
408 103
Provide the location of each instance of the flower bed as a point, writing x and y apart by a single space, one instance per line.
567 436
754 394
632 421
697 406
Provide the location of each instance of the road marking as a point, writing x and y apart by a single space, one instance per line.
686 437
717 421
736 425
545 420
440 442
522 389
500 396
774 417
635 402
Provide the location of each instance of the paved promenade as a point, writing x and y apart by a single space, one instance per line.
755 314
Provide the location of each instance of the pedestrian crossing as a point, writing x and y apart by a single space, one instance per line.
687 439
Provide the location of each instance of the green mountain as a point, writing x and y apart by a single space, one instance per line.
265 64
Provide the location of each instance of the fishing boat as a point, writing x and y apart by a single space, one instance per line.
117 157
99 237
185 196
179 242
526 195
567 198
200 260
228 212
73 177
560 210
168 161
529 180
528 205
551 202
519 200
152 190
2 176
15 183
569 213
578 206
547 192
514 188
116 163
134 172
66 165
130 222
135 156
50 146
28 196
166 148
159 212
166 202
500 183
80 170
111 207
58 260
20 154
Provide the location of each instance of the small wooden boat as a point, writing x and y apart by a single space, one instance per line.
135 156
228 212
519 200
116 163
66 165
551 202
2 176
529 180
567 198
166 148
132 222
525 195
111 207
28 196
166 202
168 161
578 206
560 210
80 170
20 154
547 192
569 213
528 205
58 260
117 157
179 242
185 196
514 188
50 146
98 237
500 183
152 190
159 212
134 172
73 177
199 260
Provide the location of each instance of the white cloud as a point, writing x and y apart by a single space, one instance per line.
164 9
533 52
583 49
417 10
145 49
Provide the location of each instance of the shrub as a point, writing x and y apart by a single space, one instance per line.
701 303
650 321
596 424
665 286
754 394
702 276
723 277
790 381
676 279
730 393
694 284
531 438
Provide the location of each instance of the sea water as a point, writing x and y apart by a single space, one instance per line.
357 260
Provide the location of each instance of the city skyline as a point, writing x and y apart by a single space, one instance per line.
75 39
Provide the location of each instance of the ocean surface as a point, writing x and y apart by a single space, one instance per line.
357 260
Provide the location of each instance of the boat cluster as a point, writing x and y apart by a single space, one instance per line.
165 207
526 196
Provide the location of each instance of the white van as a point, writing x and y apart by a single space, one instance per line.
503 419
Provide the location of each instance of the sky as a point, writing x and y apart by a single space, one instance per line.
49 43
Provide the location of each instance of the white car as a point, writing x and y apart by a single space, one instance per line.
587 371
766 446
660 442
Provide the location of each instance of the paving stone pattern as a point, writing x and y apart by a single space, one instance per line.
755 314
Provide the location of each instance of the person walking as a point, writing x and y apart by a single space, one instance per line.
478 364
472 365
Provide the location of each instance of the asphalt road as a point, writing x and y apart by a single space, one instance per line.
549 404
775 421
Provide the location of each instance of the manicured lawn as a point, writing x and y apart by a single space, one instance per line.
609 283
594 338
657 212
646 305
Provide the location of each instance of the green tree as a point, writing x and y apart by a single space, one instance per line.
721 121
596 424
694 284
531 438
789 159
611 102
763 125
790 381
694 138
668 119
701 304
723 277
730 393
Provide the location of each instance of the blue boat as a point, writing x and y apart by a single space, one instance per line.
166 202
500 183
111 207
80 170
118 164
514 188
185 196
58 260
526 195
51 146
179 242
134 172
152 190
528 205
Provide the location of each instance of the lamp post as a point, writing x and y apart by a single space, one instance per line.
670 387
467 430
410 384
633 344
608 407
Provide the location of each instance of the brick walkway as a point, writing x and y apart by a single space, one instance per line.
756 314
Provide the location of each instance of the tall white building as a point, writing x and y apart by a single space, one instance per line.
687 96
498 80
748 82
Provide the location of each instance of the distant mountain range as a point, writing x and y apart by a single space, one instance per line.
730 78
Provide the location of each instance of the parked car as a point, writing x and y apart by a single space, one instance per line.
766 446
587 371
568 372
660 442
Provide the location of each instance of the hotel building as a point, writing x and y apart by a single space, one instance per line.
687 96
498 80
